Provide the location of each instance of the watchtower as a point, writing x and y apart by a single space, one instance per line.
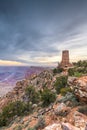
65 59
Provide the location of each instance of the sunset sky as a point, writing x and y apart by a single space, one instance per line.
34 32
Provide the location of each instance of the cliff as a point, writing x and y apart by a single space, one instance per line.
65 113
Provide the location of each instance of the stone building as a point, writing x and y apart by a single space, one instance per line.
65 60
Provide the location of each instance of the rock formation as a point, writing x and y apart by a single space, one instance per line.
57 116
80 88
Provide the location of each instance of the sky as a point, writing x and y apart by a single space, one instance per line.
34 32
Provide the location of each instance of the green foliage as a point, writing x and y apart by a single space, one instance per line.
31 129
61 82
32 95
64 91
83 109
69 98
71 71
13 109
81 63
77 74
60 70
57 70
47 97
79 68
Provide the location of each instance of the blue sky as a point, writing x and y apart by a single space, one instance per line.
34 32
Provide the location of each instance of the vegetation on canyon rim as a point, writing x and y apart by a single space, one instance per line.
79 69
20 108
43 97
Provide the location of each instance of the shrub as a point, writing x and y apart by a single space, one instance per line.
2 120
47 97
32 95
60 70
57 70
71 71
81 63
64 91
31 129
77 74
79 68
61 82
69 98
13 109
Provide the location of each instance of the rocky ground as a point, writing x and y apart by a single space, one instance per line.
63 114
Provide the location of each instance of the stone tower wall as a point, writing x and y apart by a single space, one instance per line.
65 59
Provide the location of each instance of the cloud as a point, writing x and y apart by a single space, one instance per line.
12 63
36 33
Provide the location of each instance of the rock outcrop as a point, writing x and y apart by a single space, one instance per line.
54 126
79 85
57 116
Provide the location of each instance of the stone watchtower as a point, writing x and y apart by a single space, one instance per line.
65 59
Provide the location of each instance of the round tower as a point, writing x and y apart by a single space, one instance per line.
65 59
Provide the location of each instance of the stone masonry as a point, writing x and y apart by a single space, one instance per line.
65 59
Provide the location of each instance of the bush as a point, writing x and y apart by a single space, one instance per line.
77 74
61 82
69 98
31 129
81 63
32 95
64 91
60 70
71 71
57 70
13 109
79 68
47 97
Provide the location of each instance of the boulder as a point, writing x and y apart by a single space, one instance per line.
68 126
71 80
62 110
54 126
80 120
34 106
80 89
